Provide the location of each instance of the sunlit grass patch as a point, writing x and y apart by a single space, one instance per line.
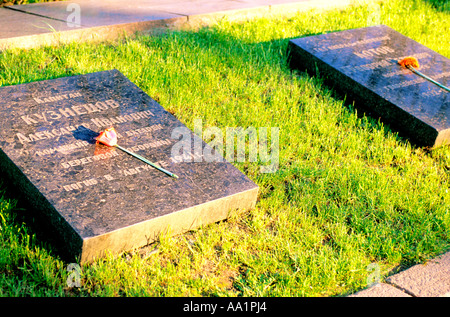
348 192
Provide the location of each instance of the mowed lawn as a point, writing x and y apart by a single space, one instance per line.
350 198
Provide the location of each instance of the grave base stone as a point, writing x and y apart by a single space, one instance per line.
362 64
98 199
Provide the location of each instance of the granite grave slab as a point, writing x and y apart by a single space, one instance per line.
362 64
97 198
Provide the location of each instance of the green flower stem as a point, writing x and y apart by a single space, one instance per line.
147 161
427 78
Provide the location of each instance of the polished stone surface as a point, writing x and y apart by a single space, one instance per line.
100 198
362 64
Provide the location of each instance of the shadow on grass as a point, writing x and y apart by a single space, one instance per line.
30 222
440 5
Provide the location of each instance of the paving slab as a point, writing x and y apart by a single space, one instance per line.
213 11
15 22
97 13
95 26
426 280
93 12
423 280
194 7
381 290
106 20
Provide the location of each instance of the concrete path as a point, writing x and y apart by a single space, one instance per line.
47 23
423 280
82 20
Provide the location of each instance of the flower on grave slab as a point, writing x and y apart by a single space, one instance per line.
409 61
108 137
412 63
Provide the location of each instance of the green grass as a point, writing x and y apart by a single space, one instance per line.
349 192
15 2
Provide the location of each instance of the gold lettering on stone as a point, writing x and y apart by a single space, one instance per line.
57 97
64 149
89 159
46 134
80 185
68 112
382 50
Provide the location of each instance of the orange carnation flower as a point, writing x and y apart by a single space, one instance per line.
409 61
108 137
412 63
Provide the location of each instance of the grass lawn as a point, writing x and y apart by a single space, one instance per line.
349 192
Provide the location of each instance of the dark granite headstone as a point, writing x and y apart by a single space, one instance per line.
363 65
99 198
